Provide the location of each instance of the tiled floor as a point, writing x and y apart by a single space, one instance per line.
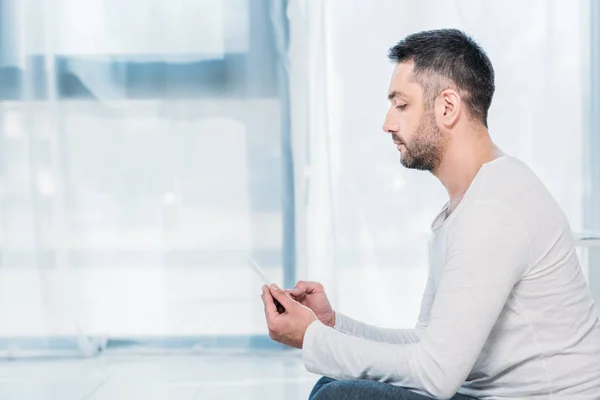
267 376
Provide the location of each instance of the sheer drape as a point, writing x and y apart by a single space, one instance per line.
145 155
368 218
141 166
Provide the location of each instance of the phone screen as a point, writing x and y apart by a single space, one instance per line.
267 281
260 272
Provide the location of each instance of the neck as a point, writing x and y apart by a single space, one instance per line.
463 158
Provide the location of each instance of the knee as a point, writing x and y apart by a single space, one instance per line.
321 383
334 390
324 381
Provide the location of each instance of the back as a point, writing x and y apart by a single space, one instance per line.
547 338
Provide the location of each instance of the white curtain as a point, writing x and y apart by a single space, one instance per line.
142 158
141 166
367 218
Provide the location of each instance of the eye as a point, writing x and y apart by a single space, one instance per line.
401 107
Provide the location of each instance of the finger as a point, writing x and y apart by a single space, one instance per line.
270 307
289 292
281 296
313 287
299 298
299 290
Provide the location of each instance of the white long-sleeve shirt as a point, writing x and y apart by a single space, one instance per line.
506 314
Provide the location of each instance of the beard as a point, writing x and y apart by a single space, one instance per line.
425 150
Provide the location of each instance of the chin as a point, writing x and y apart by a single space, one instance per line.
411 164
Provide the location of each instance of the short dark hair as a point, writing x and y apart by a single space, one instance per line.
450 54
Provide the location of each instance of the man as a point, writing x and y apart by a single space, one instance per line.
507 312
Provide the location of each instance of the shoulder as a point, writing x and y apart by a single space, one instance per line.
507 175
509 183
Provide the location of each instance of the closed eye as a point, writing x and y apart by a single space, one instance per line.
401 107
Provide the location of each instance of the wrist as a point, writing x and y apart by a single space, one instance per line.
331 320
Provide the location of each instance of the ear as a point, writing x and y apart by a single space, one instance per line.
448 107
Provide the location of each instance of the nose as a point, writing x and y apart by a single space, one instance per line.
389 125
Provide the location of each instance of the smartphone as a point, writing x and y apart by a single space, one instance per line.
259 271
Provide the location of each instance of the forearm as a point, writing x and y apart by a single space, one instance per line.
352 327
331 353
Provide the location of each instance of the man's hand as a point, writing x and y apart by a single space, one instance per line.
287 328
312 295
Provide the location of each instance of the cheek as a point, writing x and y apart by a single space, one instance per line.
408 126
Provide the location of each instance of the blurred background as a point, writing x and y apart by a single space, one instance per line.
149 148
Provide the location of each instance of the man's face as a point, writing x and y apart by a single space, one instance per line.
412 123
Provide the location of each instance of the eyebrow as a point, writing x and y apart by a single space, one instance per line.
395 93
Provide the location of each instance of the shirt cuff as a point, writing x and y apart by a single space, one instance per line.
339 321
342 323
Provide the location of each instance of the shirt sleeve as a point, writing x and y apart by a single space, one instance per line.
487 253
356 328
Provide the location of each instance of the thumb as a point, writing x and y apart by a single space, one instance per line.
289 293
299 290
281 296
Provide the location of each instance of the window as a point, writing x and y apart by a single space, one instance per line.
138 178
